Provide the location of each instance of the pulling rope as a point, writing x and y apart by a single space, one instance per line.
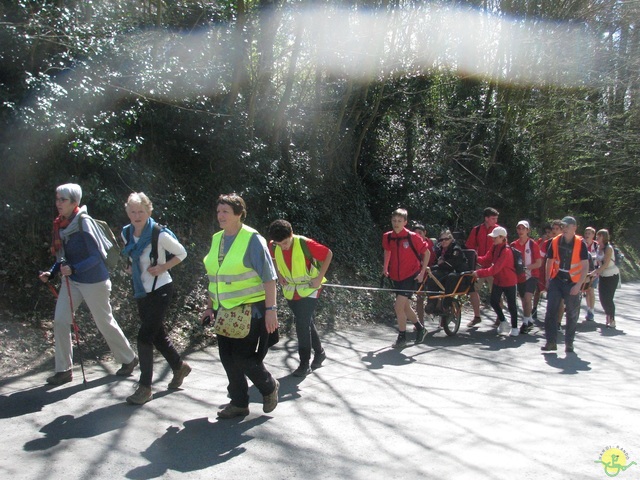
397 290
377 289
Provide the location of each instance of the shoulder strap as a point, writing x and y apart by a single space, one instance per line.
305 249
307 253
413 247
127 235
155 234
408 238
153 256
387 238
81 217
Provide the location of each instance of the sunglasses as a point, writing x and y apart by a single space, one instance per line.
445 239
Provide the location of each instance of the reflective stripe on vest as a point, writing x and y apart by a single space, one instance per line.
576 263
298 277
232 283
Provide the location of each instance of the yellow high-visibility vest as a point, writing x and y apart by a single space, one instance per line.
299 276
232 283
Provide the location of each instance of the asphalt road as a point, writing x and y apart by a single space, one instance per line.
468 407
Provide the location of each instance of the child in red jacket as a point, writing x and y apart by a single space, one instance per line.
406 258
505 280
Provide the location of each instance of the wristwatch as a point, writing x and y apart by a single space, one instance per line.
272 307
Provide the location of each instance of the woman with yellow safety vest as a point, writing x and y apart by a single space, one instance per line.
302 264
241 274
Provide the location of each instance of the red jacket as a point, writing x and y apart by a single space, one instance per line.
502 270
479 239
404 261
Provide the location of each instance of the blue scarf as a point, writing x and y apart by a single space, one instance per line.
134 250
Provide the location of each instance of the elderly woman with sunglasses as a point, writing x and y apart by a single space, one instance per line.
450 262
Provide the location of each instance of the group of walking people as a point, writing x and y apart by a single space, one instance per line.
561 263
242 304
244 269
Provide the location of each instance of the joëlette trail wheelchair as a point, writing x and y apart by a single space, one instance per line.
451 315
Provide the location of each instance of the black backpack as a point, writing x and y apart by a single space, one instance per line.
618 256
153 256
408 238
518 261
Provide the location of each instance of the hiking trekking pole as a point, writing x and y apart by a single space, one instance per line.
53 290
75 325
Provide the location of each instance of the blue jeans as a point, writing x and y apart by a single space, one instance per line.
306 331
558 291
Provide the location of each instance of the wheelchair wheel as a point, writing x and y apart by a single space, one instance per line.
450 319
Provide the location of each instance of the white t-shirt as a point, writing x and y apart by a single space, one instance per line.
612 269
166 243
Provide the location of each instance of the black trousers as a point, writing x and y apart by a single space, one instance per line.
606 290
243 358
449 281
152 310
510 293
306 331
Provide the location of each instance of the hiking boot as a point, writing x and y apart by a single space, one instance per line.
179 375
141 396
60 378
400 342
474 322
127 368
302 371
318 358
270 402
231 411
421 335
549 347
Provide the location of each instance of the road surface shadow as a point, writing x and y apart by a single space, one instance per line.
35 399
199 445
569 365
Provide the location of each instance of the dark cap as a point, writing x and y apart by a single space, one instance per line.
569 221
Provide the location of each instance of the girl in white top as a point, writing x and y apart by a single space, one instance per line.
609 275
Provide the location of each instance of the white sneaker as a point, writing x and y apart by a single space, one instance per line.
515 332
504 327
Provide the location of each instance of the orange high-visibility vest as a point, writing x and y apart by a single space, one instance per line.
576 264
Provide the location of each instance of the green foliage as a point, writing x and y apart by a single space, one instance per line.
187 100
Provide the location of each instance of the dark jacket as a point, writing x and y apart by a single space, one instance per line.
450 260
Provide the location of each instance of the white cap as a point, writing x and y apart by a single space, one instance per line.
498 231
525 223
